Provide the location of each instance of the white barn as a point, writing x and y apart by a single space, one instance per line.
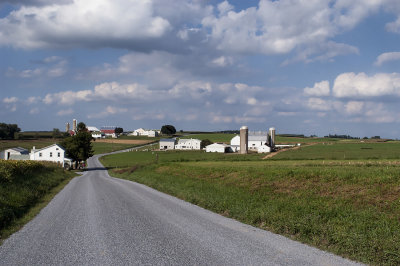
218 147
15 154
167 144
188 144
143 132
255 142
53 153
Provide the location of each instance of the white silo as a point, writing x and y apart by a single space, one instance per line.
67 127
74 125
244 139
271 137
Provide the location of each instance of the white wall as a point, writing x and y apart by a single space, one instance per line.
52 153
167 145
215 148
188 144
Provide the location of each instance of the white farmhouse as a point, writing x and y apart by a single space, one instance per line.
218 147
254 142
152 133
53 153
167 144
15 154
188 144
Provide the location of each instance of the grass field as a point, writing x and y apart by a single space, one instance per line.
343 151
27 144
350 207
25 188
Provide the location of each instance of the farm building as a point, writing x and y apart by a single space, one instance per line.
254 142
109 131
188 144
93 129
218 147
167 144
98 135
143 132
52 153
264 149
15 154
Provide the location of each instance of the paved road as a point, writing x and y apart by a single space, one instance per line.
99 220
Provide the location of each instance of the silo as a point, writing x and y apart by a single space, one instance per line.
74 125
67 127
244 139
271 137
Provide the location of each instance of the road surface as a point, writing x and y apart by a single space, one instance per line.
100 220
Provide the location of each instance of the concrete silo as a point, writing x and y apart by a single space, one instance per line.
271 137
67 127
244 139
74 125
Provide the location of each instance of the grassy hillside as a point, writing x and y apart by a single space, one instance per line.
349 207
23 184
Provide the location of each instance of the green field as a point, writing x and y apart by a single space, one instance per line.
27 144
343 151
347 206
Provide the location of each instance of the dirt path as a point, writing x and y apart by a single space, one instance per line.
272 154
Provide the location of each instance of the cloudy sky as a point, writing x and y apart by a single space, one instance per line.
302 66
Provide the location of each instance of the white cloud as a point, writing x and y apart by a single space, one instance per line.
91 23
354 107
278 27
362 85
320 89
319 104
65 112
34 111
9 100
223 61
387 57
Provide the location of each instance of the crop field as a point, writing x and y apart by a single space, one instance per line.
349 206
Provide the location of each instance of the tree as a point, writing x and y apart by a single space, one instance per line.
81 127
205 142
56 133
79 147
168 130
7 131
119 130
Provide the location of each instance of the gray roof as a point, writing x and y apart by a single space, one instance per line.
167 140
20 150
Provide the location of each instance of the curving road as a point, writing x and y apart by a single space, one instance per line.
100 220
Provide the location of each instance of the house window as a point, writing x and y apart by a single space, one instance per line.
40 154
51 154
56 149
58 154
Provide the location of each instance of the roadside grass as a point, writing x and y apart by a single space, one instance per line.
25 188
343 151
348 207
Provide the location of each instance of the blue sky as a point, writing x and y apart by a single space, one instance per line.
307 67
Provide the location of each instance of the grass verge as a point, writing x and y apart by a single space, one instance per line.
25 190
351 208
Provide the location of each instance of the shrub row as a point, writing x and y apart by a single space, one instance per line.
10 169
